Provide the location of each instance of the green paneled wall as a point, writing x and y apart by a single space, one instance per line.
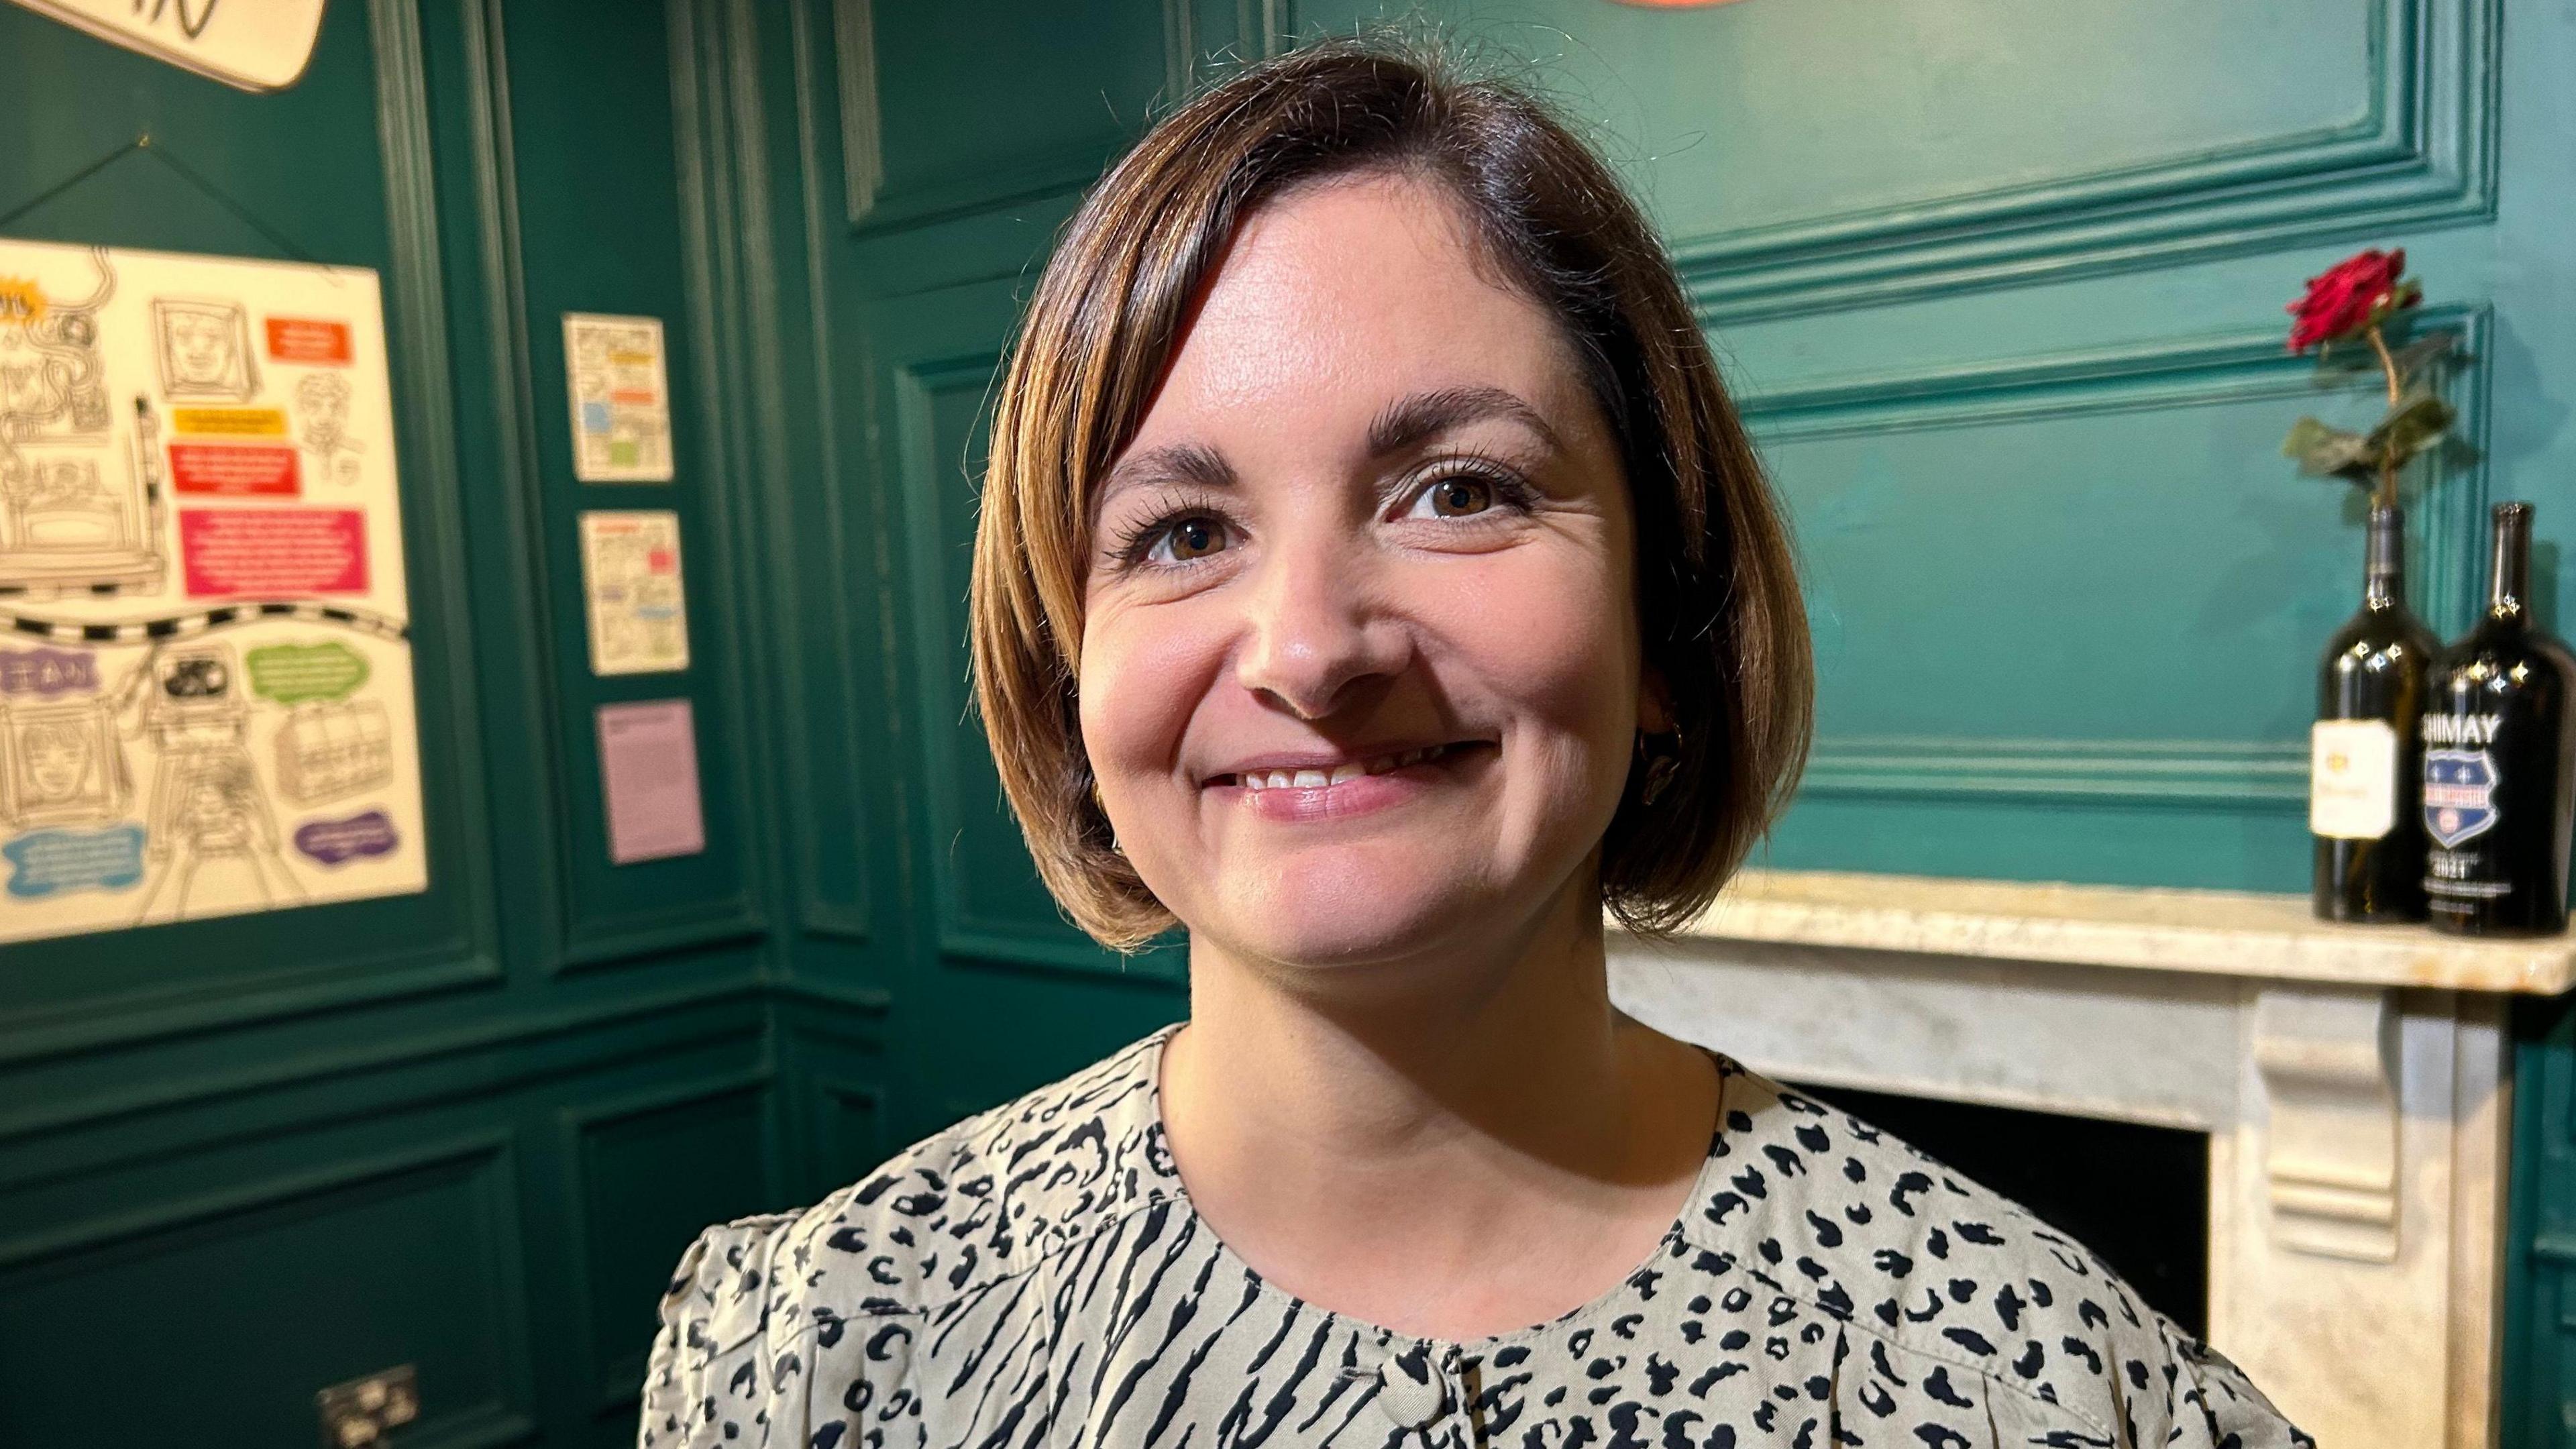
468 1129
1997 280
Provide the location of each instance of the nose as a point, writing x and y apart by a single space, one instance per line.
1317 628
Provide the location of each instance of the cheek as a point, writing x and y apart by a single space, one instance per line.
1140 682
1551 632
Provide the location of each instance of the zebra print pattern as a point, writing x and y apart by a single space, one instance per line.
1035 1276
202 621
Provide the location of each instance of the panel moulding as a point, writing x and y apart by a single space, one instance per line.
666 1021
576 1127
938 636
585 941
2230 775
634 936
489 1155
2222 773
873 208
832 1099
2422 155
1260 27
763 323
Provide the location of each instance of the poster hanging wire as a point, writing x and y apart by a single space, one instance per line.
185 172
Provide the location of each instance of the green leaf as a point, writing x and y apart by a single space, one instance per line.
2331 452
2304 437
2418 420
2415 355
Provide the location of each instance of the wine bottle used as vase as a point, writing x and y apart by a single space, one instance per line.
2365 766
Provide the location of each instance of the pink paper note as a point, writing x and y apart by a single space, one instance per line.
648 767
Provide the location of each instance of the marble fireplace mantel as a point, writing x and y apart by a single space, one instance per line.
2352 1080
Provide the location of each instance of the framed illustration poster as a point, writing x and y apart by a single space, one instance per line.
205 650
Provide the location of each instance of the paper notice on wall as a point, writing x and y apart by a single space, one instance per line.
621 399
257 45
648 770
205 662
630 576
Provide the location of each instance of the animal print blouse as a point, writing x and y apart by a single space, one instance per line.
1036 1276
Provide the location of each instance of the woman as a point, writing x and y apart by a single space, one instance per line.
1374 579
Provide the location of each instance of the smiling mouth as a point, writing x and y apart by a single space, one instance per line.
1319 779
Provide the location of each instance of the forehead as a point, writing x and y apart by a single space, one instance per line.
1339 296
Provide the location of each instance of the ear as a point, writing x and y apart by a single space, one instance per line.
1654 703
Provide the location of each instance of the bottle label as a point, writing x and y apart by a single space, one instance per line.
2455 883
2459 794
2352 778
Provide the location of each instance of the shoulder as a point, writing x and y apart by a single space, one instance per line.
1952 1284
983 1199
753 1302
992 1195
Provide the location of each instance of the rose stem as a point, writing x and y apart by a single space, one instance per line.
2388 461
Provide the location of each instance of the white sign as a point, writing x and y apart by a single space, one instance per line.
205 658
621 399
258 45
630 576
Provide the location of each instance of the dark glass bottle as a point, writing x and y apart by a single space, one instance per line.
2500 760
2365 755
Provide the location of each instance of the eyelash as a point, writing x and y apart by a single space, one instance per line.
1511 491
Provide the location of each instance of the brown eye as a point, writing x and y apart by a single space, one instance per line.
1195 538
1458 497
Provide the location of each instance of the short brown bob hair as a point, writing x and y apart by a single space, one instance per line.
1717 592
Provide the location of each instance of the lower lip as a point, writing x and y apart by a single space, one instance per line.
1363 796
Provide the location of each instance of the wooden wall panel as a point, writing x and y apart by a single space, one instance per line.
649 1170
223 1312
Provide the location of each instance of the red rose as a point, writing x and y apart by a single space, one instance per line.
2348 297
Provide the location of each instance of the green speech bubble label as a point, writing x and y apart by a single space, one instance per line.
298 673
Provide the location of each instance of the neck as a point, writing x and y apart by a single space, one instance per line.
1456 1146
2384 567
1497 1045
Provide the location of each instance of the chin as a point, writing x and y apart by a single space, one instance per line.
1349 912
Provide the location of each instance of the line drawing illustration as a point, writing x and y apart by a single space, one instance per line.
61 764
205 350
207 700
322 421
75 516
208 811
329 752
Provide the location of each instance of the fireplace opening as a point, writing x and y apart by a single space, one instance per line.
2136 1195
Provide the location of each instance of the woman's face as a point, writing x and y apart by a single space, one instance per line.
1372 511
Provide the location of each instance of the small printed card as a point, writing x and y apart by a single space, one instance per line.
648 771
621 398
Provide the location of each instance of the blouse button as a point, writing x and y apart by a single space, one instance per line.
1412 1390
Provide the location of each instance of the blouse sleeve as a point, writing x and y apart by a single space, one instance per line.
713 1376
2211 1401
2170 1391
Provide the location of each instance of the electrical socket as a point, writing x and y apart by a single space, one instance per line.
362 1411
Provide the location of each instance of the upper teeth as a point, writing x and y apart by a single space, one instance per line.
1318 779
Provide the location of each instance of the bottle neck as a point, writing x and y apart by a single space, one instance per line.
2383 579
2508 596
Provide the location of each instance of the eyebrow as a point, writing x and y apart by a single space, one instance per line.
1409 421
1405 423
1172 463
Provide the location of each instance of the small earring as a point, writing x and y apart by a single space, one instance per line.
1660 767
